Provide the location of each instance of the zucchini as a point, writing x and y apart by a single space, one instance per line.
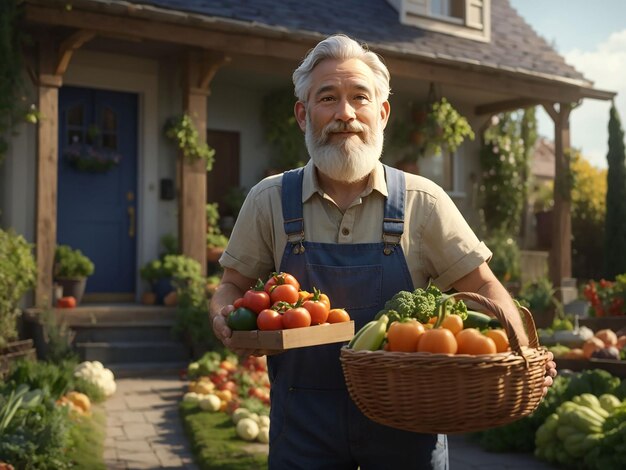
480 320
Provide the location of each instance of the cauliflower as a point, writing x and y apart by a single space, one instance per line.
95 373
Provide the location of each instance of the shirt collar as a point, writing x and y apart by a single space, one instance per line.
310 184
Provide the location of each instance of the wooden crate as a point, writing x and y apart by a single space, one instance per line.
294 337
14 351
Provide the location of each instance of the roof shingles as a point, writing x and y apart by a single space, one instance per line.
514 44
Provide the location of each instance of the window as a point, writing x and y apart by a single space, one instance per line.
464 18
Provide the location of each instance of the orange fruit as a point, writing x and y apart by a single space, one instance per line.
474 342
453 322
500 338
437 340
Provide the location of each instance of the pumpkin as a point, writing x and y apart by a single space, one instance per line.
80 400
621 342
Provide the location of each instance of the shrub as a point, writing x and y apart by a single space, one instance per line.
71 263
505 262
17 275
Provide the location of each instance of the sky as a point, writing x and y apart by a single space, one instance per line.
591 36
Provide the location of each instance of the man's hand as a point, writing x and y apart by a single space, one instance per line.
550 374
224 334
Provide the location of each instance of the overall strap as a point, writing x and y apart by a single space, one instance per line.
393 222
292 207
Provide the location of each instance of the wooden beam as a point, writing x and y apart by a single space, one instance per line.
71 45
184 34
503 106
211 63
47 155
200 67
560 258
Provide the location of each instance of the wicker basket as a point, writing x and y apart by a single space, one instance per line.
441 393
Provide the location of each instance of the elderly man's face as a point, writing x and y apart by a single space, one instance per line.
343 120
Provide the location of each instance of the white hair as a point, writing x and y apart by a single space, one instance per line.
340 47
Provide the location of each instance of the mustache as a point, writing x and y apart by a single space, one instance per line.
338 126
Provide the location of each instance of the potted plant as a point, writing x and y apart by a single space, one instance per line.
216 241
433 129
18 272
71 270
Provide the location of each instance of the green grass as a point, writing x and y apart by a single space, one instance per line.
215 444
88 435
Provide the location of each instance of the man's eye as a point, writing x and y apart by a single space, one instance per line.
327 99
362 98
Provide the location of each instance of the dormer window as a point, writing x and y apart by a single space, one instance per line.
463 18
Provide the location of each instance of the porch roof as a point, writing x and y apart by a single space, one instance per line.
515 50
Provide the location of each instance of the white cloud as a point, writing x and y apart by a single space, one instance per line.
606 67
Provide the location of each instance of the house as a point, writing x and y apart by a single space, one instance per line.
121 69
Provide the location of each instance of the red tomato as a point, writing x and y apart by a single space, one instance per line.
318 310
238 302
284 293
296 317
269 319
66 302
338 315
278 279
256 299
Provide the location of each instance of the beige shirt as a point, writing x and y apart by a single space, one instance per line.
437 241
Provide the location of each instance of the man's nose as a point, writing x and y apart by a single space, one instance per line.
345 111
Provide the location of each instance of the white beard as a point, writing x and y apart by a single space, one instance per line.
351 160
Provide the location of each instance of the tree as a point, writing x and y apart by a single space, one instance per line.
615 223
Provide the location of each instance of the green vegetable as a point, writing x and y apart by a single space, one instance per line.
480 320
371 336
421 304
242 319
609 402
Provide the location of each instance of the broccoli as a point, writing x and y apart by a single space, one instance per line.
425 304
403 303
459 308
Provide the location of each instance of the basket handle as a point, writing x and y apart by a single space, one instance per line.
494 308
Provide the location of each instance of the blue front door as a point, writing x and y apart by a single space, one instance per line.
97 185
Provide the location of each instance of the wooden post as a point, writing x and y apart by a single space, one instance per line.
47 151
199 70
560 260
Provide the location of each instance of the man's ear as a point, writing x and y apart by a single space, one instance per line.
299 110
385 110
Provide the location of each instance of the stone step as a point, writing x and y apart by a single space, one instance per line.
114 332
122 352
115 313
148 369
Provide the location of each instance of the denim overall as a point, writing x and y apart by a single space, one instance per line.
315 424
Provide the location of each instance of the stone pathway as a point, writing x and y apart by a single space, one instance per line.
143 425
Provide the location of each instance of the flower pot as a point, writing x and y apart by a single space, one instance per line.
162 287
148 298
73 287
213 254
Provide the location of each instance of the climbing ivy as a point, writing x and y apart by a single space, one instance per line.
504 162
13 107
181 130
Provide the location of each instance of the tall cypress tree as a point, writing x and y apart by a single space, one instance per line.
615 223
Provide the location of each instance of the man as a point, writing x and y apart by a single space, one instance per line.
360 232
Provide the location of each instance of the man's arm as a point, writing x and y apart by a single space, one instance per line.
482 281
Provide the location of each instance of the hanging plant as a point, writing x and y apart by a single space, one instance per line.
444 128
182 131
432 129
